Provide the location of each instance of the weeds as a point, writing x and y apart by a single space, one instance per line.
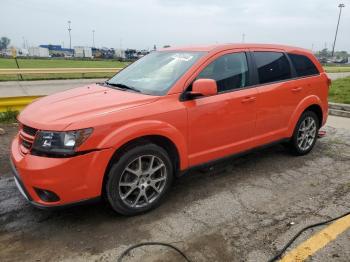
9 116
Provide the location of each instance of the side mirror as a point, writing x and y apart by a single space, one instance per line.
204 87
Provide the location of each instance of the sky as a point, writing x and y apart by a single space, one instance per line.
141 24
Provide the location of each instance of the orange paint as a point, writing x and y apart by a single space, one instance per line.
202 129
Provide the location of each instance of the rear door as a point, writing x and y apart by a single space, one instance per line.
306 80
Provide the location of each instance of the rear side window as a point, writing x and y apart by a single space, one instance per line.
303 65
272 66
230 72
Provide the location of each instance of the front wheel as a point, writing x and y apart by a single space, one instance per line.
139 180
305 133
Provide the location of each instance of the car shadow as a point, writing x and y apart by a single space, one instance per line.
193 180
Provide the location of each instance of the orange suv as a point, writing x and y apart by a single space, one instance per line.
174 109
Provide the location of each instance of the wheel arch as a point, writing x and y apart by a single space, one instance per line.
312 103
166 143
317 110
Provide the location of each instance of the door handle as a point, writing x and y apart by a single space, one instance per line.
248 99
297 89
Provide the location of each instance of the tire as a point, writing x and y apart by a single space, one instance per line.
131 188
303 139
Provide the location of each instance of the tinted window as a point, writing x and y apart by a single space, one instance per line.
272 66
229 71
303 65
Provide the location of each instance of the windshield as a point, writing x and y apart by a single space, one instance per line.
156 72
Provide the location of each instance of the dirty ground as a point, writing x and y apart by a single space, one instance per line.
242 210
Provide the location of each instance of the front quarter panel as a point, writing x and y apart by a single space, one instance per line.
142 128
166 117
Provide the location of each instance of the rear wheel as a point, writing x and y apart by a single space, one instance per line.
305 133
139 180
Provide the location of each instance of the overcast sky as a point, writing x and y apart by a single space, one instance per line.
142 23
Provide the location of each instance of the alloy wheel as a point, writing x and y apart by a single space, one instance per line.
306 133
142 181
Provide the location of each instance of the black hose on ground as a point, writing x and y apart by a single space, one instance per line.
276 257
120 259
286 246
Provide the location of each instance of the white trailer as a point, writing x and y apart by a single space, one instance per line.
38 51
82 51
120 53
88 52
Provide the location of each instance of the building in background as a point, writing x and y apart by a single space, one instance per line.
8 52
119 53
131 54
83 52
22 52
142 53
38 51
58 51
104 52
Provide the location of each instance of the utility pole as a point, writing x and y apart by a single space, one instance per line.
70 37
336 31
93 38
243 37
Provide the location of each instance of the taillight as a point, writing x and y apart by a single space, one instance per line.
329 81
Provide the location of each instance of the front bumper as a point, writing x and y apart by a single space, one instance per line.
75 179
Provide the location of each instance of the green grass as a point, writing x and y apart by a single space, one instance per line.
55 76
58 63
337 69
340 91
9 116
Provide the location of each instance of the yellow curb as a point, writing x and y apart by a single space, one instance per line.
317 241
15 103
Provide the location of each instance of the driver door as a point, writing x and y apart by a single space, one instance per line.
222 124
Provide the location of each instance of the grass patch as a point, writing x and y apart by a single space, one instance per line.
55 76
337 69
9 116
340 91
58 63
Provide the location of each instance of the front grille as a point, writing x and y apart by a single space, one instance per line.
27 136
29 130
26 144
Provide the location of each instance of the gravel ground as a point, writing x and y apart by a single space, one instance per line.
240 210
5 140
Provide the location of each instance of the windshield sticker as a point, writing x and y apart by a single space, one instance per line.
182 57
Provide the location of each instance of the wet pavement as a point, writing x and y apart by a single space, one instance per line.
241 210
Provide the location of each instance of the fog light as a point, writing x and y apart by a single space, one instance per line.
47 195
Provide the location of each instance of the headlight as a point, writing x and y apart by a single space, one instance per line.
62 143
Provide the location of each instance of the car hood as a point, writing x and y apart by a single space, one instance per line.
58 111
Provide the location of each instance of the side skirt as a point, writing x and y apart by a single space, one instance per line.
230 157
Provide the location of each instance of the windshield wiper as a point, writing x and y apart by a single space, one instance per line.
122 86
